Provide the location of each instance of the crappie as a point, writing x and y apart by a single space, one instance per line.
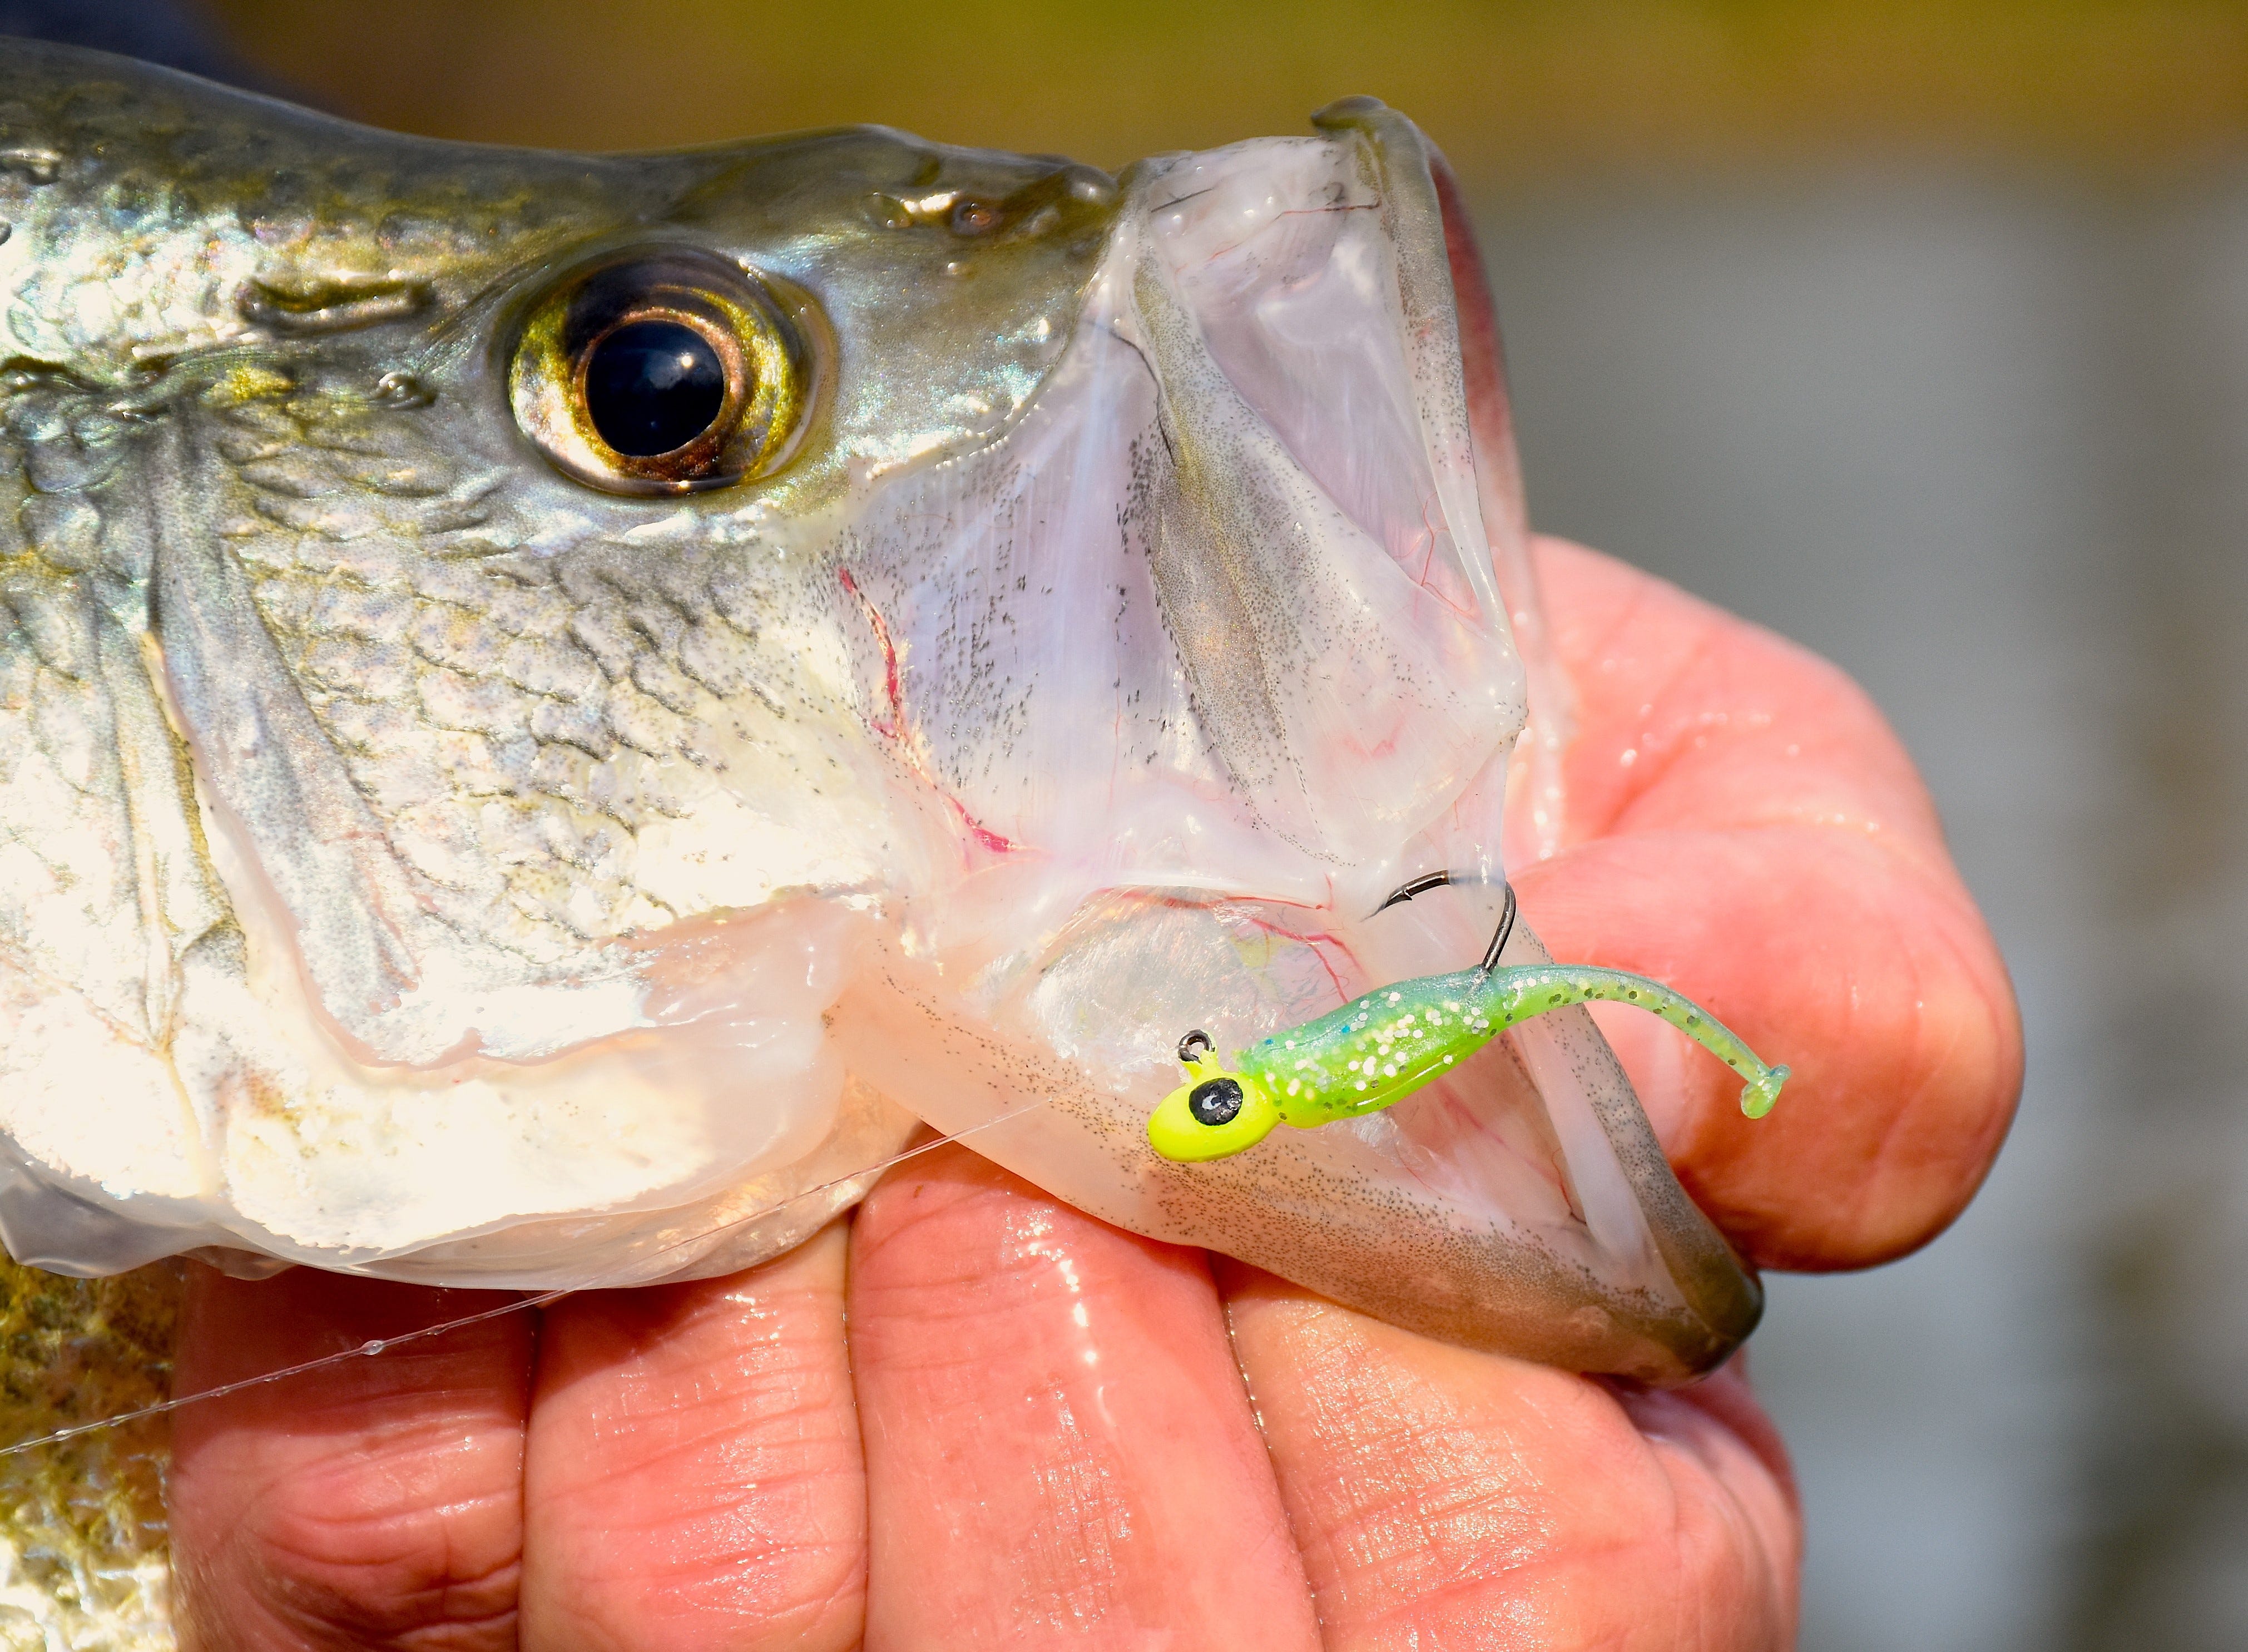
555 709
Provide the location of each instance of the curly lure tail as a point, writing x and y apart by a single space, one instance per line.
1381 1047
1534 989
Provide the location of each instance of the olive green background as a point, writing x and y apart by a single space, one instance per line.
1510 89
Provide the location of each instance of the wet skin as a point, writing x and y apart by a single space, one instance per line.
1040 1429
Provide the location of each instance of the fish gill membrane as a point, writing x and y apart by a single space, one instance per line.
445 837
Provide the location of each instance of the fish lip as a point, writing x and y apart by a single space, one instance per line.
1254 267
1710 1302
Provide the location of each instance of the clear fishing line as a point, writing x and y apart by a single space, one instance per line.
522 1304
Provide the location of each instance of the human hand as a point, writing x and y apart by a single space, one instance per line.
1042 1431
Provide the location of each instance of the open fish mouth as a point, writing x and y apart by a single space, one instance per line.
460 834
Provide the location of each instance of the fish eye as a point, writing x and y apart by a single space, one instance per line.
665 372
654 386
1215 1101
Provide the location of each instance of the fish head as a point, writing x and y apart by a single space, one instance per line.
556 708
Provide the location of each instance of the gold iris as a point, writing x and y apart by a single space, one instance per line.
666 371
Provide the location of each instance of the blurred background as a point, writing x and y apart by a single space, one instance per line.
1917 331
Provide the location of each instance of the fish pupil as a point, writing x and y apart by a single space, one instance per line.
1215 1101
653 386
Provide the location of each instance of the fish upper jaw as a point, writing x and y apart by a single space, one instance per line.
1218 609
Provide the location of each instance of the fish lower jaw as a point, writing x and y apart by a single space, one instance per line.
257 1128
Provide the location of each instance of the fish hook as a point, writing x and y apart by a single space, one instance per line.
1429 881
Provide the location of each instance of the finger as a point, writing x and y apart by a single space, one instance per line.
693 1478
1687 716
1444 1498
1058 1443
1744 825
374 1504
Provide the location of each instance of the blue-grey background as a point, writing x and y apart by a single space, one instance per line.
1982 436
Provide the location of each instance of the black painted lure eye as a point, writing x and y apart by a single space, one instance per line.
1215 1101
653 386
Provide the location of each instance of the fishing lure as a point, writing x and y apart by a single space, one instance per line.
1383 1046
